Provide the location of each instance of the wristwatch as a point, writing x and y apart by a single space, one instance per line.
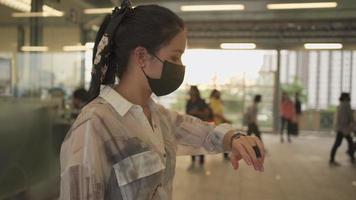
236 136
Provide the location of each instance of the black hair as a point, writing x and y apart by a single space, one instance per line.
257 98
148 26
345 97
214 92
81 94
195 89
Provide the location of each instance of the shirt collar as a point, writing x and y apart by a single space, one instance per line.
120 104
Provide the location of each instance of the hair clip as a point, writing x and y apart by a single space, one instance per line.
126 4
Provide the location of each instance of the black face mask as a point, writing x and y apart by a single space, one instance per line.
172 77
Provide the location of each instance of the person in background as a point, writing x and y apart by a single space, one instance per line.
298 111
57 94
80 98
197 107
252 112
287 111
217 109
343 127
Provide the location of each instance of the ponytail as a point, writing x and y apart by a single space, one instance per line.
95 82
104 60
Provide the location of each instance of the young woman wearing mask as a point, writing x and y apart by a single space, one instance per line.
123 145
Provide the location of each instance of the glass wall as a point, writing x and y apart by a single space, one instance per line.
33 74
239 75
322 74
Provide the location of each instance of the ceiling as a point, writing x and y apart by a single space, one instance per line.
269 29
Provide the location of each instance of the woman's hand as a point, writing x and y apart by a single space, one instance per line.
243 148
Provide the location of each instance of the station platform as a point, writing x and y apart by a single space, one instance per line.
293 171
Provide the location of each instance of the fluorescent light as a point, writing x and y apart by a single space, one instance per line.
222 7
86 47
36 14
95 28
34 48
323 46
25 6
20 5
285 6
90 45
95 11
52 11
238 45
75 48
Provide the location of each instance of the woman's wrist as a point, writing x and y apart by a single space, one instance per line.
237 135
230 137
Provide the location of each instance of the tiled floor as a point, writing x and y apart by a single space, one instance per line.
296 171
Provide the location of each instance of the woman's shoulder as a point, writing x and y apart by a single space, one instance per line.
96 109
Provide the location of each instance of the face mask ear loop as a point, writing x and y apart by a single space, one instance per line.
144 72
157 58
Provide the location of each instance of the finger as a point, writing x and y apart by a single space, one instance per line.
241 150
251 154
249 147
259 151
234 161
261 147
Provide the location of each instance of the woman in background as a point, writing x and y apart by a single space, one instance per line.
197 107
217 108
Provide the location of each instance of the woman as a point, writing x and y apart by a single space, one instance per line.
123 145
217 108
287 116
197 107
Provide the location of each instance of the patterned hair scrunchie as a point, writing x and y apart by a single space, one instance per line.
104 46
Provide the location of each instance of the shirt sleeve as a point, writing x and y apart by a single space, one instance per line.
196 137
83 163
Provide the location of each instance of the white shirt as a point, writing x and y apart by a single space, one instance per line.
112 152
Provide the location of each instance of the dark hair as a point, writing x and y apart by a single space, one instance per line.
149 26
345 97
214 92
257 98
195 89
81 94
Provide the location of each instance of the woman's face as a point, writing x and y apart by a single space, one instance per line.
172 52
217 95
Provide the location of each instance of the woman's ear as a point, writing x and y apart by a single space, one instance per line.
140 55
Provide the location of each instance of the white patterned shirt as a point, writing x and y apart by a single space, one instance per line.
112 151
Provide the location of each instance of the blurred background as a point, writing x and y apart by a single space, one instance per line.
241 48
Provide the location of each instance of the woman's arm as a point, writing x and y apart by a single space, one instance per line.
196 137
82 164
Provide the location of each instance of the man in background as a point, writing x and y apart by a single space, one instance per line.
252 112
